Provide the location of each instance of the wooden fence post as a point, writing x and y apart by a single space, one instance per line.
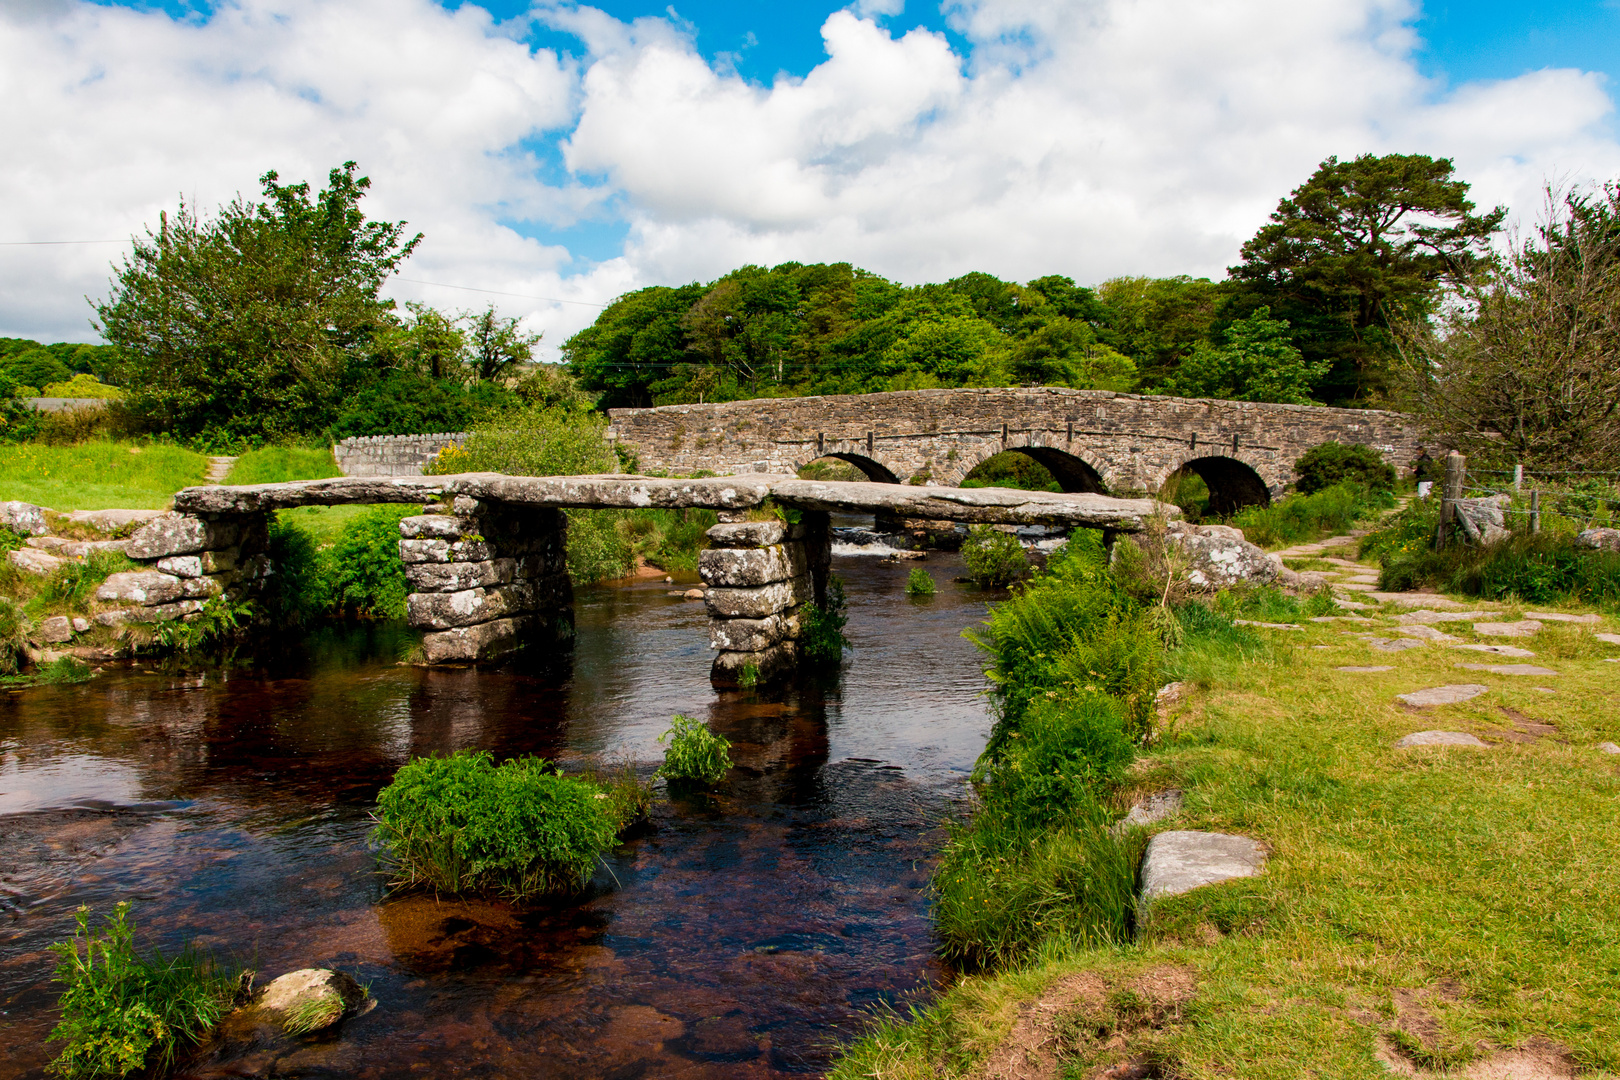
1535 512
1450 492
1518 477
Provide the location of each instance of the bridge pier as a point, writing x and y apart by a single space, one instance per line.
487 577
761 577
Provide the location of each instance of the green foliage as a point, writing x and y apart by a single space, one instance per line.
536 442
14 627
279 464
463 824
221 620
407 403
313 1015
363 569
81 386
298 591
919 582
1159 322
1257 363
1407 531
821 639
1067 752
98 475
122 1012
71 587
696 755
994 559
254 324
1336 463
35 368
1303 518
1545 568
1011 469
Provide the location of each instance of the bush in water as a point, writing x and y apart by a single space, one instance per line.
994 559
696 755
463 824
821 639
919 583
120 1011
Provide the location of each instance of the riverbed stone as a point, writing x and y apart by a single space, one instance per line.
1443 695
56 629
1183 860
1497 650
308 994
1509 669
149 587
751 567
33 561
1441 738
1522 628
24 518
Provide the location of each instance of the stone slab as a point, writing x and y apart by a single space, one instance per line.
1426 633
181 534
33 561
757 603
1497 650
456 576
749 534
1441 738
754 635
149 587
1522 628
985 506
1394 644
1154 808
1267 625
768 664
56 629
1367 669
1608 748
23 518
1443 695
111 521
1509 669
440 550
1609 639
1555 616
1415 599
751 567
485 641
448 610
1183 860
1352 605
1425 616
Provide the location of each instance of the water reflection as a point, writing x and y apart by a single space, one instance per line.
743 935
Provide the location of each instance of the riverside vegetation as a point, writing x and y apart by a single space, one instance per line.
695 755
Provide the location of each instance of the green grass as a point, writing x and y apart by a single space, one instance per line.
920 583
695 755
123 1013
1481 881
1300 519
323 524
463 824
98 475
279 464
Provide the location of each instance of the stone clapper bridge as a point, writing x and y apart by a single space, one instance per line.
487 560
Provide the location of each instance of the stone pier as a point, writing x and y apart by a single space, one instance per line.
193 559
761 577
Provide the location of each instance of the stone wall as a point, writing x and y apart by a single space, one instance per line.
761 577
487 578
1092 440
192 558
392 455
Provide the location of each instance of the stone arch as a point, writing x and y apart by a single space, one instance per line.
875 470
1233 483
1073 473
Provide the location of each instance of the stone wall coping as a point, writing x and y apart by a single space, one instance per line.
991 506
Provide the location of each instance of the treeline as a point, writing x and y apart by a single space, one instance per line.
1310 314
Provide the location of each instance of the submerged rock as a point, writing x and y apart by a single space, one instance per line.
308 999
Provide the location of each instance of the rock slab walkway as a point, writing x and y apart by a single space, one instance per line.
1442 738
1443 695
1183 860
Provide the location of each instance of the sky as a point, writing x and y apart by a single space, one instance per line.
558 155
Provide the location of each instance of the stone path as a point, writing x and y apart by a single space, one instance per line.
1181 861
1443 695
1442 738
1509 669
219 468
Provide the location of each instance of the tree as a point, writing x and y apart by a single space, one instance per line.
1360 244
1524 368
253 324
1257 363
498 347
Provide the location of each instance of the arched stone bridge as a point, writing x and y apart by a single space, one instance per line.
1090 440
487 556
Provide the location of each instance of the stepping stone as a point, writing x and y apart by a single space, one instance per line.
1609 748
1154 808
1544 690
1509 669
1441 738
1267 625
1339 541
1522 628
1363 579
1610 639
33 561
1181 861
1324 648
1425 616
1394 644
1351 605
1346 563
1357 586
1415 599
1367 670
1499 650
1443 695
1427 633
1553 616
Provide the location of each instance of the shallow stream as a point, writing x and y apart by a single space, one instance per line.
744 934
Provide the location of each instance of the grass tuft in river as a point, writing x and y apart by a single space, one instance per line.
696 755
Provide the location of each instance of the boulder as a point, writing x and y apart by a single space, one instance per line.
1181 861
1221 557
308 1000
1600 539
24 518
33 561
149 587
1482 520
56 629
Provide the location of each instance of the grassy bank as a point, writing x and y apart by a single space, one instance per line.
98 475
279 464
1431 907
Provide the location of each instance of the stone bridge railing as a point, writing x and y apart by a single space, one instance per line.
487 558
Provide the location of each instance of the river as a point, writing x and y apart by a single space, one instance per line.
744 934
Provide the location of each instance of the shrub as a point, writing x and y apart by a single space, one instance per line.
82 385
919 583
1306 517
821 638
120 1010
994 559
13 636
463 824
1332 463
405 403
1541 569
1011 469
298 591
696 755
363 570
1066 753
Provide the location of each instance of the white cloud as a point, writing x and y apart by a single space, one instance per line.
1085 137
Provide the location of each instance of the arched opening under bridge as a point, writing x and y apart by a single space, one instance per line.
1214 487
846 467
1036 468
